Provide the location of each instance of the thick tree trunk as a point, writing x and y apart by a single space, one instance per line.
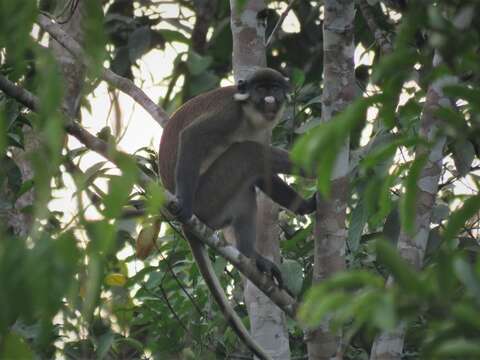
268 323
330 229
389 345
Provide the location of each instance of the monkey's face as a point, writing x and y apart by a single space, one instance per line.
264 93
268 98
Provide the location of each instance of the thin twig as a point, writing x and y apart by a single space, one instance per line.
177 280
279 23
172 310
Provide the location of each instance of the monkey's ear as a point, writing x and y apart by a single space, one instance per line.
241 96
242 86
242 93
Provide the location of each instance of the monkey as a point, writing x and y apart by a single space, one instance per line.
214 154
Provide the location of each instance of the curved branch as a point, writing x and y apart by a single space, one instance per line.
123 84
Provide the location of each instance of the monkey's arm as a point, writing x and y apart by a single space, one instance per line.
282 164
196 143
284 195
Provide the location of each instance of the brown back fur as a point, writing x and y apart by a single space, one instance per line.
190 111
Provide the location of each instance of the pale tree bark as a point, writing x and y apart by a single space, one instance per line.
267 321
389 345
15 218
411 247
330 229
73 72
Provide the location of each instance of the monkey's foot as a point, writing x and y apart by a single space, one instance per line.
179 210
270 268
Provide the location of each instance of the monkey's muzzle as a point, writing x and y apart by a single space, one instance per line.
270 107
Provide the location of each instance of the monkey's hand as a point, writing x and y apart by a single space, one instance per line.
270 268
308 206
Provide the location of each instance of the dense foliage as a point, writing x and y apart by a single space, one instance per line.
74 288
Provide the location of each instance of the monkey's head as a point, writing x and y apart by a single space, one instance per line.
265 92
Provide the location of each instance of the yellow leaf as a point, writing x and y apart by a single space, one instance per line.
115 279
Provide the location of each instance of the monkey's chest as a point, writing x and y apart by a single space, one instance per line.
240 135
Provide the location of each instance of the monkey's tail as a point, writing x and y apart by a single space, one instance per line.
206 269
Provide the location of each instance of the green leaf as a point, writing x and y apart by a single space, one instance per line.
241 5
94 35
292 275
102 236
172 35
105 343
205 81
405 277
120 187
465 273
472 95
316 307
155 198
457 221
358 220
15 347
51 280
298 77
197 64
458 347
401 60
384 315
26 186
16 22
384 150
467 315
352 280
318 148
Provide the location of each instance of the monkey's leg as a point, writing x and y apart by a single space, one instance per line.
244 226
217 199
225 196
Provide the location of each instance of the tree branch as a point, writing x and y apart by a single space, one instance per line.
380 35
125 85
280 297
279 23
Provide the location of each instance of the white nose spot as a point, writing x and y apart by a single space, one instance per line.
269 99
